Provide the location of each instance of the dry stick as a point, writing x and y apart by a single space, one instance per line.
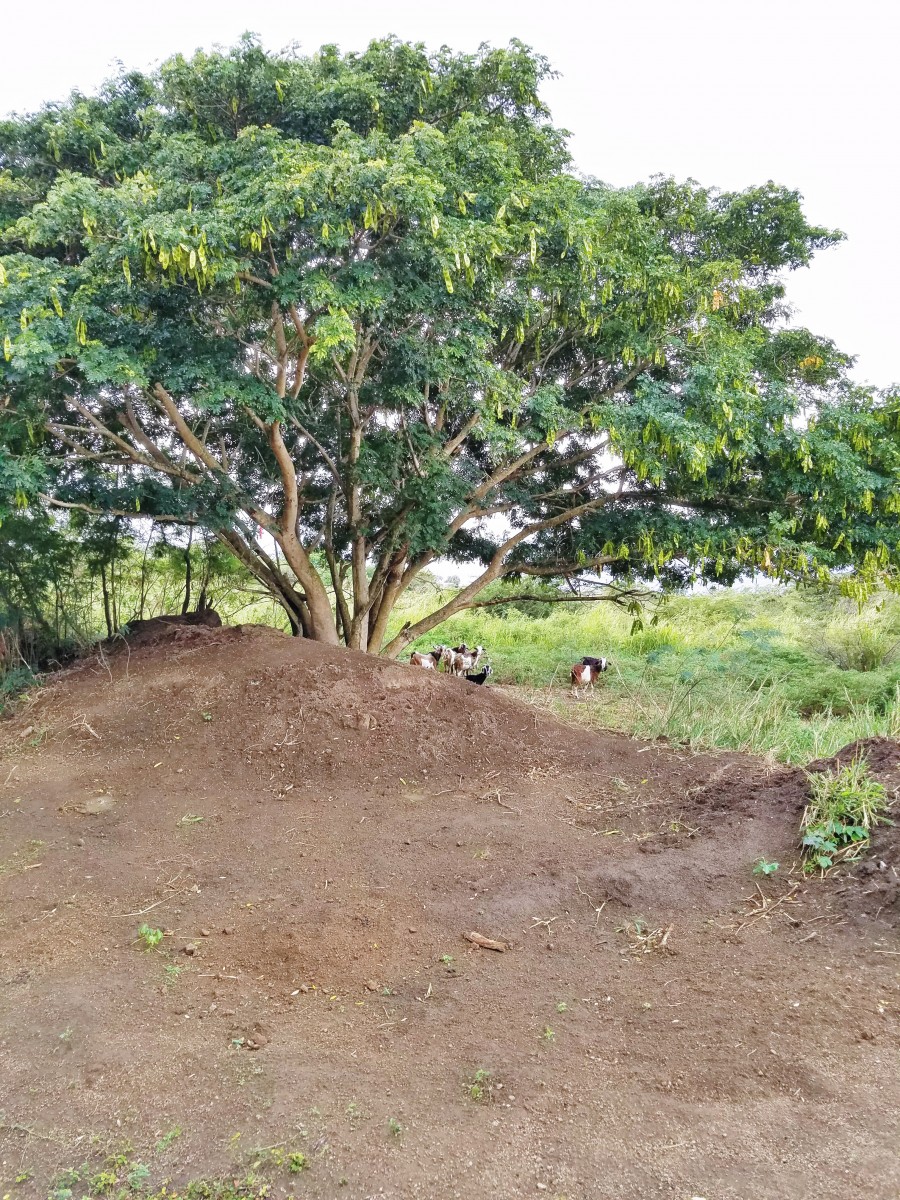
15 1127
140 912
597 910
478 939
101 658
508 807
767 908
84 725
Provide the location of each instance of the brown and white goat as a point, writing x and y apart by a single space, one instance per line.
586 673
444 657
465 660
428 662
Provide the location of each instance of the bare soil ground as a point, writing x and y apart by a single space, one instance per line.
315 832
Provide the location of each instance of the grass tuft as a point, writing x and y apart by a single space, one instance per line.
846 805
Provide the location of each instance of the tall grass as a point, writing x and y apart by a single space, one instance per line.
758 672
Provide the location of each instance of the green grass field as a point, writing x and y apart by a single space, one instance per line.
787 674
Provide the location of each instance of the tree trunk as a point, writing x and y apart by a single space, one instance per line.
323 627
359 627
107 610
143 600
389 597
186 604
273 580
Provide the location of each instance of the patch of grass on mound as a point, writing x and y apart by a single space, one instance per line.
846 805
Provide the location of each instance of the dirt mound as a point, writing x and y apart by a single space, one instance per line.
158 629
313 832
881 753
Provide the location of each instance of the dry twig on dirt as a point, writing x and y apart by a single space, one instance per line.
763 905
478 939
645 941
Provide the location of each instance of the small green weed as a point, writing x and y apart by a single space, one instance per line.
548 1034
279 1158
845 806
173 971
447 959
137 1177
150 937
103 1182
394 1127
481 1086
562 1007
764 867
168 1138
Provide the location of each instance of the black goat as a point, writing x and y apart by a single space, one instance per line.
599 664
481 676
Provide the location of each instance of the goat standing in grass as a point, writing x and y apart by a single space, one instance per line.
465 660
586 673
444 655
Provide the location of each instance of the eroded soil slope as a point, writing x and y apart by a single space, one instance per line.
315 831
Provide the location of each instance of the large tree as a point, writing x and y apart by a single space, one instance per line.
361 307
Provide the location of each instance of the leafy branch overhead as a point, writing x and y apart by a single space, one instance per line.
362 308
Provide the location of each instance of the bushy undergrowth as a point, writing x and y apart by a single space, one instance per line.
13 683
789 674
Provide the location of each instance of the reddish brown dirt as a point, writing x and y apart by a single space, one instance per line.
358 817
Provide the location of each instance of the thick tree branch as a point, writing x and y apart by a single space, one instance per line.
623 597
185 432
133 515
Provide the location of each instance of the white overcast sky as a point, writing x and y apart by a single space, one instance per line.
804 92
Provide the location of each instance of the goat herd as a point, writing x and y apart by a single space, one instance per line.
456 660
463 661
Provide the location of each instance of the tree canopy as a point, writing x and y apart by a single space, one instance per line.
362 308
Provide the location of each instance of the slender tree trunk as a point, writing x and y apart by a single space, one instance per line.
359 627
107 610
186 603
323 627
409 632
143 599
